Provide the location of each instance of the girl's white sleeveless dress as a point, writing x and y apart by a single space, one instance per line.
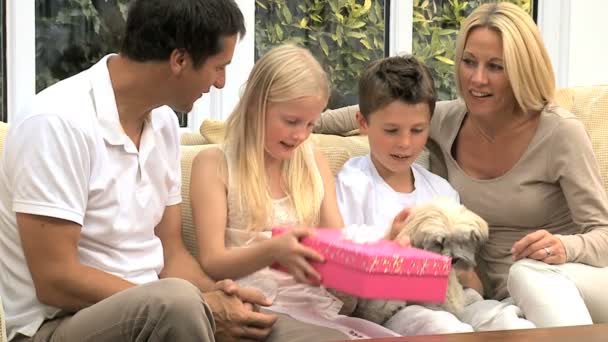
303 302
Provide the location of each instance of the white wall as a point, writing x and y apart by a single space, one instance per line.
588 43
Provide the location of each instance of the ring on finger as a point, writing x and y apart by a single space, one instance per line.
548 251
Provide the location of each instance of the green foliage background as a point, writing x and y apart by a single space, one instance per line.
72 35
345 35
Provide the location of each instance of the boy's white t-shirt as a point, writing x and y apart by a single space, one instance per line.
365 198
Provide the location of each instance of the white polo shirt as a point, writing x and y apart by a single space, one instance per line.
68 158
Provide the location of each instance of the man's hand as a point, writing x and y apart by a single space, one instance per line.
540 245
252 298
234 319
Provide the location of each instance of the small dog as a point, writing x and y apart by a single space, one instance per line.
441 226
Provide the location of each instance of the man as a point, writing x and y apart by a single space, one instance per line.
90 191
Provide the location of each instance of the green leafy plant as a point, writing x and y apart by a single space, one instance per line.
72 35
345 35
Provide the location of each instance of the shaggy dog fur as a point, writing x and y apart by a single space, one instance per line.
443 227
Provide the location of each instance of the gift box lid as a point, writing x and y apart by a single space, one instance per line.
383 256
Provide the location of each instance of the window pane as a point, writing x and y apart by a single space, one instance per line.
72 35
344 35
436 24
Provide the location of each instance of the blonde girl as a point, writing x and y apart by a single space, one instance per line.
267 174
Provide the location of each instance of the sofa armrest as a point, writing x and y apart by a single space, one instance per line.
2 323
3 132
188 231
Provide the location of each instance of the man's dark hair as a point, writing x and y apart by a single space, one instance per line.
402 78
156 27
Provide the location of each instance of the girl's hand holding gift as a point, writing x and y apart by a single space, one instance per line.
294 257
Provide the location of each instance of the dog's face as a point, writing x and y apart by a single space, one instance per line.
446 228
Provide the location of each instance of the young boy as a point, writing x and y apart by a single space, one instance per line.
396 101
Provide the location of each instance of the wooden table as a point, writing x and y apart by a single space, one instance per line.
585 333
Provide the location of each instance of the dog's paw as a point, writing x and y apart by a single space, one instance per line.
454 299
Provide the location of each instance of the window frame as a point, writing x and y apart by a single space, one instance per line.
400 13
4 112
553 20
21 54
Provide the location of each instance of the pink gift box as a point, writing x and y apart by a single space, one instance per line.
378 270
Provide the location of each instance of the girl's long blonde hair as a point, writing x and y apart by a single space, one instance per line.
284 74
527 62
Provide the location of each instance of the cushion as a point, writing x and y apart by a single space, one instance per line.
2 324
336 157
192 138
3 132
590 104
213 130
356 145
564 97
188 231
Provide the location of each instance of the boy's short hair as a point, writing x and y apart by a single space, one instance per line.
156 27
398 78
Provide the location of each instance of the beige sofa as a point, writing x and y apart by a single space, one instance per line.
335 137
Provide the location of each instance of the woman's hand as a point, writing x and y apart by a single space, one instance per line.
540 245
294 256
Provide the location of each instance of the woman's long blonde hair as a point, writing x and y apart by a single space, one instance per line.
284 74
527 62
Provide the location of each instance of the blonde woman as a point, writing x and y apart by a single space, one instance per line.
268 174
527 167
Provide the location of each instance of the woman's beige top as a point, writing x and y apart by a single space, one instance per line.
555 185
